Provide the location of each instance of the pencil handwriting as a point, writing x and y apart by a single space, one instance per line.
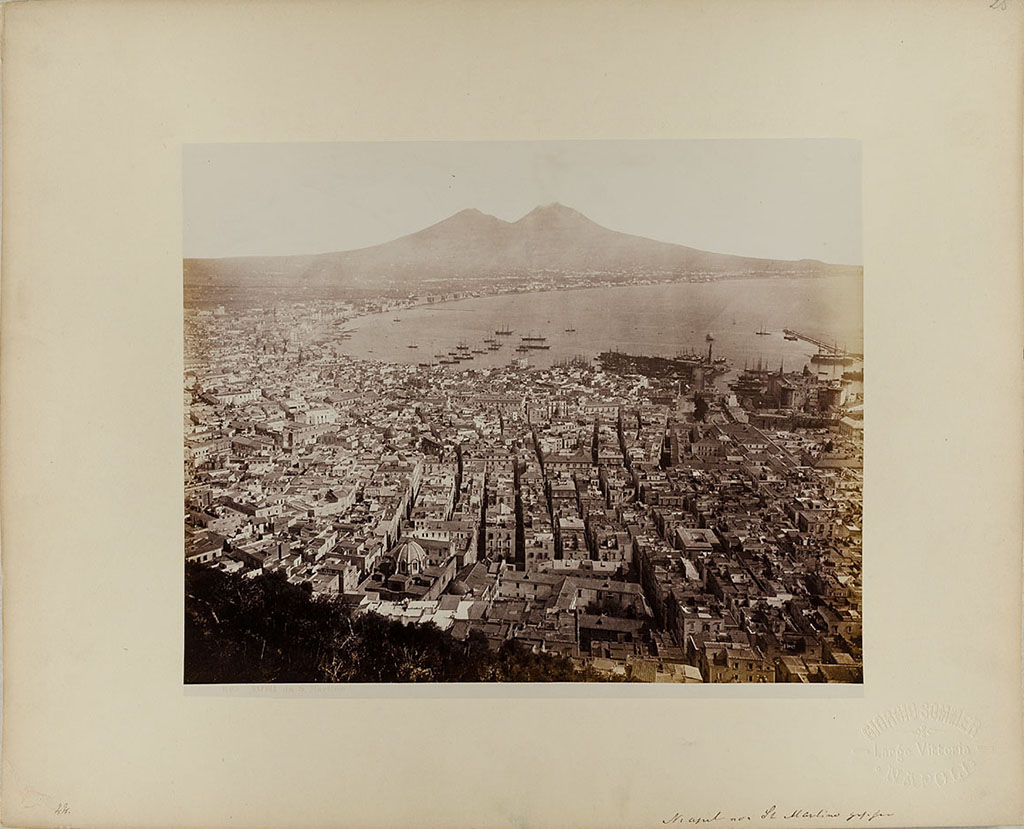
774 813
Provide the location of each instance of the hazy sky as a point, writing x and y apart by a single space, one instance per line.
777 199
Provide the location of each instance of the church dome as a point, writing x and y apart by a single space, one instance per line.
410 558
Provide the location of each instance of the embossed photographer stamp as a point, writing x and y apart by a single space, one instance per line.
922 745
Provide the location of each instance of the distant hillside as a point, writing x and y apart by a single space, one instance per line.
474 247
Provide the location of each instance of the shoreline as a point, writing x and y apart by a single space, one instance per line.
353 320
296 294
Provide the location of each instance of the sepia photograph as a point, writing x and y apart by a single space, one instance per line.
525 411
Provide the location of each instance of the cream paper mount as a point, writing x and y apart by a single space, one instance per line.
99 99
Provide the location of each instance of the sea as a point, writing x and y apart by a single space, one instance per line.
745 319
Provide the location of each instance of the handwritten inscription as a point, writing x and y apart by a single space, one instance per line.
774 813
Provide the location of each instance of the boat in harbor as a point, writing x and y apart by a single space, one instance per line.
570 330
534 338
790 337
762 333
679 368
748 384
412 345
689 356
832 358
504 331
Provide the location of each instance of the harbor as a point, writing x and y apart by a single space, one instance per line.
543 329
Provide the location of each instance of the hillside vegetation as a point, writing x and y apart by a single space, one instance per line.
264 629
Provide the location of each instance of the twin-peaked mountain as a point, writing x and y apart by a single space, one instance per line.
474 247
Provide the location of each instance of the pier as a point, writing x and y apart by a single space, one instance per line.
823 346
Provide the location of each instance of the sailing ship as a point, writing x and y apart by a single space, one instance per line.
831 358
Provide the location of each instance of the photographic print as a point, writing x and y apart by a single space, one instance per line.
523 412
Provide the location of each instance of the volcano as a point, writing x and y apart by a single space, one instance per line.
475 249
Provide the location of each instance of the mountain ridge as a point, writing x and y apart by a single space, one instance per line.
476 247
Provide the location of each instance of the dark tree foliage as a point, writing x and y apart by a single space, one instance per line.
255 630
265 629
700 408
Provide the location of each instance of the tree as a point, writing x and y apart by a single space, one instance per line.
265 629
700 408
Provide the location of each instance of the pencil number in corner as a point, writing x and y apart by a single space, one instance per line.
999 4
62 809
